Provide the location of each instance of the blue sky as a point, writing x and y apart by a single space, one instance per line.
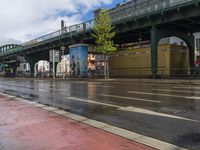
90 14
26 20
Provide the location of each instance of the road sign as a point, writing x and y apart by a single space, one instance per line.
56 56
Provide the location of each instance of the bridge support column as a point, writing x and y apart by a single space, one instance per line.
51 69
191 46
157 34
14 71
14 68
32 63
32 68
154 51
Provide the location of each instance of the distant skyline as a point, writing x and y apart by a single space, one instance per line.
23 20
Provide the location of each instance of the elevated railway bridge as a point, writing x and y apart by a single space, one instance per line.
134 21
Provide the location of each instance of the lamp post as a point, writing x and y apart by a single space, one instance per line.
63 60
53 64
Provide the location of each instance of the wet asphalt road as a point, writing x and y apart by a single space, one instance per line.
170 113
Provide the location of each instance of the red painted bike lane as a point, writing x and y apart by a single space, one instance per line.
25 127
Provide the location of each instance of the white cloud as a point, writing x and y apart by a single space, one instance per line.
24 20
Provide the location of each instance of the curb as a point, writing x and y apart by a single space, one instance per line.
152 81
144 140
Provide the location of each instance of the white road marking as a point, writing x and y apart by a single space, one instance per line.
178 91
154 143
166 95
145 140
43 90
131 98
133 109
149 112
193 97
94 102
98 85
130 108
186 87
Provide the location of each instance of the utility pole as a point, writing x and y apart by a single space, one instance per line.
43 69
63 61
54 64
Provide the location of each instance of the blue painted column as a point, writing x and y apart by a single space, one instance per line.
79 60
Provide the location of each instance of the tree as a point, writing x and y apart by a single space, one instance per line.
104 34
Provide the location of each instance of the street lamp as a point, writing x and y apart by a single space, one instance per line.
63 49
63 61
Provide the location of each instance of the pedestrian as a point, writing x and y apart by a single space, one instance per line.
197 64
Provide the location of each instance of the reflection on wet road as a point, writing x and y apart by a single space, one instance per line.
166 112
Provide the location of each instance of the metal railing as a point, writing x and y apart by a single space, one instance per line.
67 31
164 75
132 10
129 10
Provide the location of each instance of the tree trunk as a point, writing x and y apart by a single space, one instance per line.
105 72
106 67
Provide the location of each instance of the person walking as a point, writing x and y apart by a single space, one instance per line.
197 63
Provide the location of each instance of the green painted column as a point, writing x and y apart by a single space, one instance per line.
192 57
154 51
31 62
191 47
32 68
14 68
14 71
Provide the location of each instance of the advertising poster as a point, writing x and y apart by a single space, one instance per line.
79 61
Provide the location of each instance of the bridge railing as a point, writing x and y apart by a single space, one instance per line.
129 10
132 9
67 31
13 48
117 14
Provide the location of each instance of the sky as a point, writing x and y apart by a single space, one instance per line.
24 20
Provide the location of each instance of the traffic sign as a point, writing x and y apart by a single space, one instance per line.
56 56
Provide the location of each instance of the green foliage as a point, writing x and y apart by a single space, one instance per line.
103 33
